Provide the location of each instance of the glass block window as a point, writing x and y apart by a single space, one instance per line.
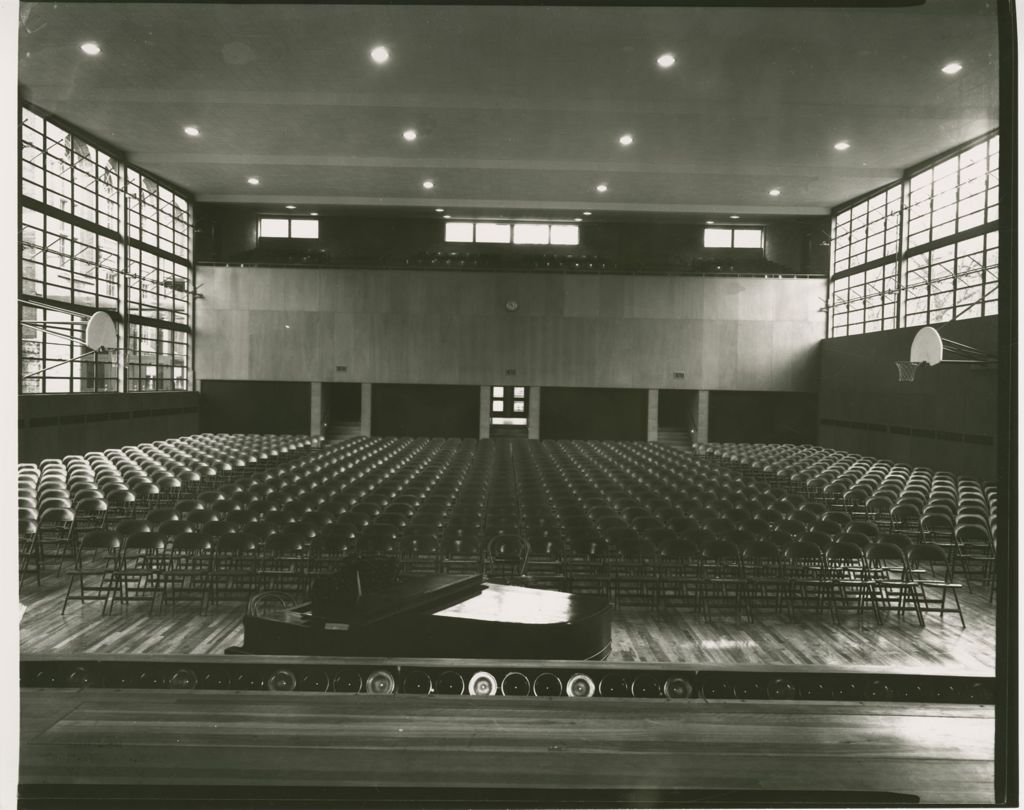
48 352
865 302
158 359
867 231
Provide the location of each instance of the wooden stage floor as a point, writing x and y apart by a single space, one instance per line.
108 742
638 634
120 749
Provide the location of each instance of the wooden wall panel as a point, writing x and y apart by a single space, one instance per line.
452 327
245 406
952 409
52 426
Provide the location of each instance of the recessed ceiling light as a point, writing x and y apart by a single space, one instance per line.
90 48
439 210
952 68
313 214
774 192
626 140
709 222
733 216
842 146
446 216
192 131
290 207
428 184
578 219
666 60
253 181
380 54
409 134
586 213
287 326
602 188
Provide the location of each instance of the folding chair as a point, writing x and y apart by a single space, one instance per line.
850 587
892 580
95 568
932 592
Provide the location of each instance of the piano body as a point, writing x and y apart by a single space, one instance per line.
439 616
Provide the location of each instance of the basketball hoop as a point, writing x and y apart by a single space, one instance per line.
931 348
907 369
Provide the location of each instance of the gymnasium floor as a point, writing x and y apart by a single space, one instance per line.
638 634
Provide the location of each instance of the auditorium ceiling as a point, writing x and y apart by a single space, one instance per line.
520 110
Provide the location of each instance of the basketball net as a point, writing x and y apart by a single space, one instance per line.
907 369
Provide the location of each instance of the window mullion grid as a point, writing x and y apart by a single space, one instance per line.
901 260
21 258
122 281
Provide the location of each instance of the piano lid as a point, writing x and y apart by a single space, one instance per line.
422 595
514 604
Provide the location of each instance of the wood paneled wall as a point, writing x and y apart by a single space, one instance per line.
946 418
582 413
426 410
784 417
55 425
256 406
452 327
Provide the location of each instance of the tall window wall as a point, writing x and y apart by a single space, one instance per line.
99 235
922 251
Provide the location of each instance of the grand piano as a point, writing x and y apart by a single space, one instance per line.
432 616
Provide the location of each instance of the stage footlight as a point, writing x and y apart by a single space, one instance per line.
547 684
449 683
780 689
814 690
416 682
580 686
980 693
483 684
750 689
846 690
314 682
282 680
246 680
940 692
183 679
216 679
718 689
645 686
912 690
79 678
149 680
878 690
380 682
678 688
348 682
613 686
515 683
